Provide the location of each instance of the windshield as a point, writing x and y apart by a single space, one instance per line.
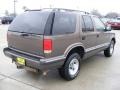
105 20
30 22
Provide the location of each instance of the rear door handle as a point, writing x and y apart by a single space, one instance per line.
83 37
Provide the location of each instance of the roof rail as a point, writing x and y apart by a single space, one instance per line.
59 9
33 10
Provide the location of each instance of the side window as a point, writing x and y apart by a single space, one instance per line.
98 24
64 23
83 25
87 22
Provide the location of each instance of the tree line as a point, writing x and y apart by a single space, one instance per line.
94 12
108 15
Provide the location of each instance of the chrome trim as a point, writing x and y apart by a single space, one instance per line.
96 47
54 59
26 53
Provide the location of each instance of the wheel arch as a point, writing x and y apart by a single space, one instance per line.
75 48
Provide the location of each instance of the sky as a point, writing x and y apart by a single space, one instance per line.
103 6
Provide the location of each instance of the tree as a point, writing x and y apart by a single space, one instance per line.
12 14
6 13
25 8
96 12
112 15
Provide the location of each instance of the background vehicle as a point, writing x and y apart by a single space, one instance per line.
115 24
118 18
7 19
57 38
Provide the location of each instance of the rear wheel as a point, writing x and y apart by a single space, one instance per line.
71 68
109 51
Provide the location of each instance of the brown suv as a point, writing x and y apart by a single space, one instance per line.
57 38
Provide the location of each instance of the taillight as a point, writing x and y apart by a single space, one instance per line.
47 45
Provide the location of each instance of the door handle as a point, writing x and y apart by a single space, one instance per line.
83 37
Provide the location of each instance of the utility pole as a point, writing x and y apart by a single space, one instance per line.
15 7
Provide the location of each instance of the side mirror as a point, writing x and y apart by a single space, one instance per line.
108 28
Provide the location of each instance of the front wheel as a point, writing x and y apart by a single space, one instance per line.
71 67
109 51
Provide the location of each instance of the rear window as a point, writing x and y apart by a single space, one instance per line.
30 22
64 23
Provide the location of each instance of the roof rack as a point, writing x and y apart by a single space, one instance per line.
59 9
33 10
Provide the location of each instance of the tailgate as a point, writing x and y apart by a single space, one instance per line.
29 43
26 32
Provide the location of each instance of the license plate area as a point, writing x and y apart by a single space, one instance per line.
20 60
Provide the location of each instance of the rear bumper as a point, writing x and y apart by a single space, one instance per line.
35 62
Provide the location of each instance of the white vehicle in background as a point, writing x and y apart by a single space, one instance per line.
118 18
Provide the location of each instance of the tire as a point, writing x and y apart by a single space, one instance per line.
109 51
71 68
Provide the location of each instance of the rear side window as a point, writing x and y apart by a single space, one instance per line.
83 25
87 23
30 22
64 23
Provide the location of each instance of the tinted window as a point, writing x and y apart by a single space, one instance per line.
30 22
64 23
98 24
88 23
83 24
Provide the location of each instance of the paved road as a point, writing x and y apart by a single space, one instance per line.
97 73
